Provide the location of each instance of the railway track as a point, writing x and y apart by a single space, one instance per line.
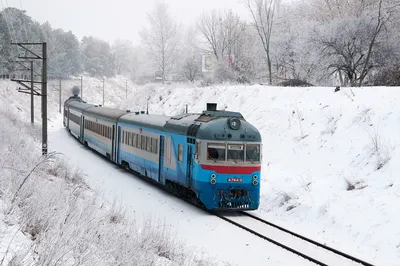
296 243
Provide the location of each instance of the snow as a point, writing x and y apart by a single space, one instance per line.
313 141
194 227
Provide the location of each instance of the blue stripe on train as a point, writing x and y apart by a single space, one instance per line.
93 141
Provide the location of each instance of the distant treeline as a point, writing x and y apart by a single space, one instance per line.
319 42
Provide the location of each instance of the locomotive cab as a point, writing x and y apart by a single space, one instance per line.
228 159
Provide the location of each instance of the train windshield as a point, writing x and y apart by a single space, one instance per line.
236 152
253 152
216 152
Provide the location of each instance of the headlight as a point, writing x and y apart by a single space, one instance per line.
213 181
255 182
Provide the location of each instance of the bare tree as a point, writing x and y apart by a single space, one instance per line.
224 34
161 38
222 31
191 68
350 38
263 14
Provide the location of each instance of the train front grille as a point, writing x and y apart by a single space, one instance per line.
233 199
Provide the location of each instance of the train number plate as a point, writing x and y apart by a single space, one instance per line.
234 180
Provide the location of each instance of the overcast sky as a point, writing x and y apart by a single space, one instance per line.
112 19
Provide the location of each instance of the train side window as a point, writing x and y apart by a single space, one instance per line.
123 137
143 143
154 143
139 141
216 152
180 152
148 141
134 140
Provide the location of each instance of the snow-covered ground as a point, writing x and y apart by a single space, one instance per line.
329 159
329 168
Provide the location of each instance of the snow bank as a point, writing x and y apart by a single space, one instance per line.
49 215
329 168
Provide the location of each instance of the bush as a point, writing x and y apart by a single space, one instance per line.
295 83
388 77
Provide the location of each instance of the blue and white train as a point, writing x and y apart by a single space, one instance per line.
213 158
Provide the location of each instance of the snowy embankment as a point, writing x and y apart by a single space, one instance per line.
49 215
329 168
329 159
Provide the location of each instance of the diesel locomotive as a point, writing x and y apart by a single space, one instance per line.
212 157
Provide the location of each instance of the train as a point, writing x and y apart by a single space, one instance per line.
212 158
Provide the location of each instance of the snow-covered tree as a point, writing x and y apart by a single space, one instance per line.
97 57
161 38
123 53
263 14
351 35
226 37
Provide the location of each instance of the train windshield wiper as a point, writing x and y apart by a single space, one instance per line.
232 156
247 156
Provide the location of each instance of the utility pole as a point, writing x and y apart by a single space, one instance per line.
59 94
44 98
59 110
81 86
32 100
43 82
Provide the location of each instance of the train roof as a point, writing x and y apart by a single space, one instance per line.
153 121
79 105
105 112
206 125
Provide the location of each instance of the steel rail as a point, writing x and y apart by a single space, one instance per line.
350 257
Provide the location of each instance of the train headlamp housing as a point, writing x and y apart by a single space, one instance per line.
213 181
234 123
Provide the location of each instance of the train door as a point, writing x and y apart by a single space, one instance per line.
189 165
118 145
161 161
82 128
68 118
113 143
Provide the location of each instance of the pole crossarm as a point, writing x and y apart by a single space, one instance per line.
28 92
25 80
21 63
28 89
29 51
